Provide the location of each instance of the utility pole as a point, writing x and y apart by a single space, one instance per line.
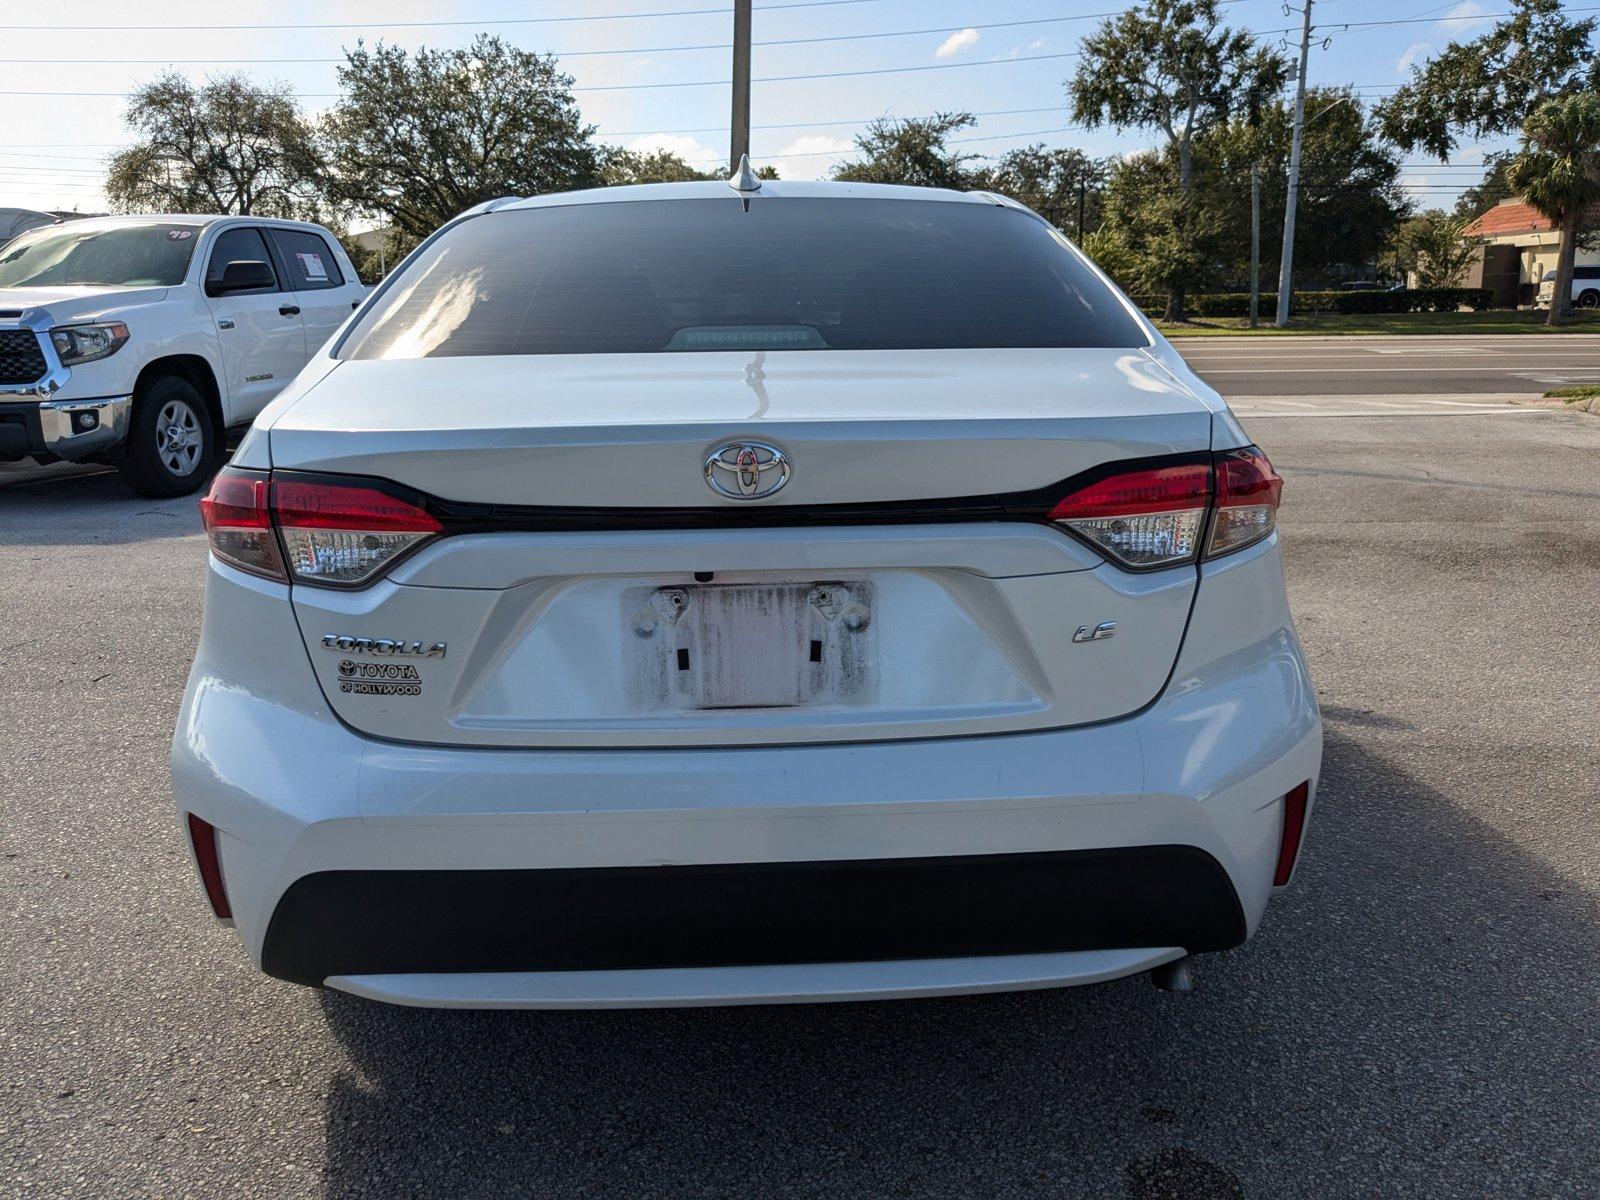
1083 194
1286 265
1255 244
740 124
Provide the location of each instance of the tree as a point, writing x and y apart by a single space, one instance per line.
1154 240
1488 86
912 151
1558 173
228 146
418 138
1350 197
1066 187
657 166
1431 245
1171 65
1478 199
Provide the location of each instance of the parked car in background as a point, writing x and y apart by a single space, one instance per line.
139 341
683 595
1585 288
14 221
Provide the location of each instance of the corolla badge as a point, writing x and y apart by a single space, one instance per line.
345 643
747 470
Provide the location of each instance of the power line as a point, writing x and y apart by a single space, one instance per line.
622 87
1334 28
682 12
633 87
802 41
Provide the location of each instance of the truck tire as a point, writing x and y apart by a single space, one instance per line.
172 447
1589 298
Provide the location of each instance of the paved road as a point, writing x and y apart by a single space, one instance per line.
1418 1018
1385 366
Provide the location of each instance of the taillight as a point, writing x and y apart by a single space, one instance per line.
1248 490
1145 517
238 525
343 533
335 532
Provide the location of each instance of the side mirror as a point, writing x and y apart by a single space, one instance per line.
244 276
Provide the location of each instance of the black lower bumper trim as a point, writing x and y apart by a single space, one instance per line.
383 922
20 433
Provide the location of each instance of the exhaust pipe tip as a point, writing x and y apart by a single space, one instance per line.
1175 976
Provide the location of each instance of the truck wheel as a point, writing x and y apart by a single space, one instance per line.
171 446
1589 299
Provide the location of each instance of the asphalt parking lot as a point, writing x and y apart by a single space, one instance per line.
1420 1015
1452 367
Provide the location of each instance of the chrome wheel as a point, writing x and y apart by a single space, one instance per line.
180 443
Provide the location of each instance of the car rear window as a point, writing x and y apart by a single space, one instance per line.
708 274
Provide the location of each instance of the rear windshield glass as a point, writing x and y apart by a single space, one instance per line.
789 274
118 256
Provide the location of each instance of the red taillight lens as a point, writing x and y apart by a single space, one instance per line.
203 837
238 525
343 534
1294 824
1248 490
1147 517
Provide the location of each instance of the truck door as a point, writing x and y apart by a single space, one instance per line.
326 297
260 329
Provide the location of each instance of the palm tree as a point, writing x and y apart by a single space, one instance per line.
1558 173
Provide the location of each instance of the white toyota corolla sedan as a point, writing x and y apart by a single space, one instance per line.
713 594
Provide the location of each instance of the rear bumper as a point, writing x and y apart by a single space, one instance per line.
806 983
750 914
437 875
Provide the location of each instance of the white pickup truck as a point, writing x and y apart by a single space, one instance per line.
139 341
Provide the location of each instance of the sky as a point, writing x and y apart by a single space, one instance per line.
653 73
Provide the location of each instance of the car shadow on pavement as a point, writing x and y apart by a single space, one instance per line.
1417 1016
71 505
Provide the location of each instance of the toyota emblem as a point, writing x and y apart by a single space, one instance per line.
747 470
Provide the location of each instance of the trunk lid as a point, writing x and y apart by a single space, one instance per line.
723 632
634 430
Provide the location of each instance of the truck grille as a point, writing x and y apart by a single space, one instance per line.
21 359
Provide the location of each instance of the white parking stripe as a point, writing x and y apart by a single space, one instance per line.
1475 369
1483 404
1253 414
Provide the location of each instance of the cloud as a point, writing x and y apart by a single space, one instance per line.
1466 16
687 148
819 153
968 38
1415 51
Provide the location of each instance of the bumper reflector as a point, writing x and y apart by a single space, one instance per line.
203 836
1294 823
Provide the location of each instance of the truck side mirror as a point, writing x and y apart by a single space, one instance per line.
246 275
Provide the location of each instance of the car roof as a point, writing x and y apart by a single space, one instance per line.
776 189
196 219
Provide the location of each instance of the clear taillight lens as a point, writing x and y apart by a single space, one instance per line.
238 525
1248 490
343 534
1147 517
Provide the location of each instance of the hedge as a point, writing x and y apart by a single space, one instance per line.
1407 300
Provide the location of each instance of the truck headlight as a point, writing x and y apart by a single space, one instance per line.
84 343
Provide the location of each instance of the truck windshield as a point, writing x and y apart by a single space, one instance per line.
788 273
154 255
